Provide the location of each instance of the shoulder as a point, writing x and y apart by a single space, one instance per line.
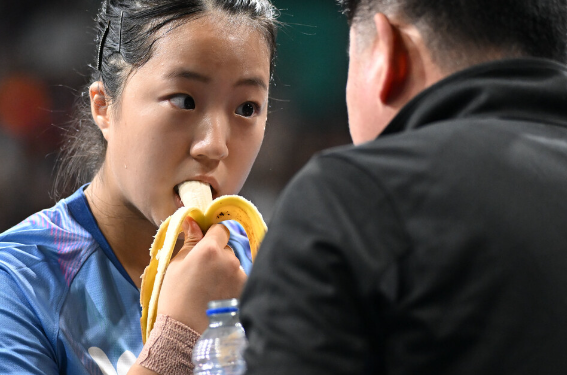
333 204
45 249
51 232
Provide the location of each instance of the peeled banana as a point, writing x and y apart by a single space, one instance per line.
197 198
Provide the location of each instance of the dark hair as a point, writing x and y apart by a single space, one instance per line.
126 32
461 33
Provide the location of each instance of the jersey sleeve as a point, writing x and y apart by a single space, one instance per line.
25 347
305 306
239 243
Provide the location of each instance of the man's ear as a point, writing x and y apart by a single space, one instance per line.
100 108
390 46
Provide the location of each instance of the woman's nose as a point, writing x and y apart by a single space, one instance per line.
211 138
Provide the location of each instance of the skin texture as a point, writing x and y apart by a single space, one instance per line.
158 139
386 70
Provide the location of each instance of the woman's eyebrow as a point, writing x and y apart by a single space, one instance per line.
253 81
188 74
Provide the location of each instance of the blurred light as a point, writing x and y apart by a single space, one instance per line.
24 105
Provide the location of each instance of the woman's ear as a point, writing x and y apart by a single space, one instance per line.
100 108
390 46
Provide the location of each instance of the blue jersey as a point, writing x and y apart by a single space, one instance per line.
67 305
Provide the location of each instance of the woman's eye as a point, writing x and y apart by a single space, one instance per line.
183 101
247 109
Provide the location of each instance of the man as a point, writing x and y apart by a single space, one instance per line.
440 246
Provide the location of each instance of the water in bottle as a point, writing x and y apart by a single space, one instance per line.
219 349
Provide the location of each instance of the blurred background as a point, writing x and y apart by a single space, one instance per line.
46 47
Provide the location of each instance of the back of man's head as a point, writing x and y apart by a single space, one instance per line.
460 33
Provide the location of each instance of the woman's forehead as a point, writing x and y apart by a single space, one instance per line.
208 48
223 22
217 30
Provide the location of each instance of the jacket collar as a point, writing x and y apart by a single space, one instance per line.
522 89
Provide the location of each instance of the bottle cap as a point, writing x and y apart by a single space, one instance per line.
222 306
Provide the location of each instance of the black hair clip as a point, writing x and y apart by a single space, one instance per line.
101 46
120 31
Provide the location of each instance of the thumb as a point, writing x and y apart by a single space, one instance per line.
192 231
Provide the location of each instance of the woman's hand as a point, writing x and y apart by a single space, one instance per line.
205 269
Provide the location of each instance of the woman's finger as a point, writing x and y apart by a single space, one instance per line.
192 231
219 234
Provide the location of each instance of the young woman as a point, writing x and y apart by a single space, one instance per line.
179 92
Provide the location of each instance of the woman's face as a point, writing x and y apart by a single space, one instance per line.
195 111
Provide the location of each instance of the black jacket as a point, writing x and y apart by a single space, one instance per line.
439 248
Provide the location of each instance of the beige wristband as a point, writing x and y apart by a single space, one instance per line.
169 347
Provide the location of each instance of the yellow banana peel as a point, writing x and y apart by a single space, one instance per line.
197 198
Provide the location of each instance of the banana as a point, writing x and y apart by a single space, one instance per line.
197 198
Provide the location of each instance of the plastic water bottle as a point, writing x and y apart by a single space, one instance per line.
219 349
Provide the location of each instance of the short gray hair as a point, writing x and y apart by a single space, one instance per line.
462 33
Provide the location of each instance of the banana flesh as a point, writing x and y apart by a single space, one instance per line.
196 194
197 198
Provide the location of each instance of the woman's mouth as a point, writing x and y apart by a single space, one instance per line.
177 196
